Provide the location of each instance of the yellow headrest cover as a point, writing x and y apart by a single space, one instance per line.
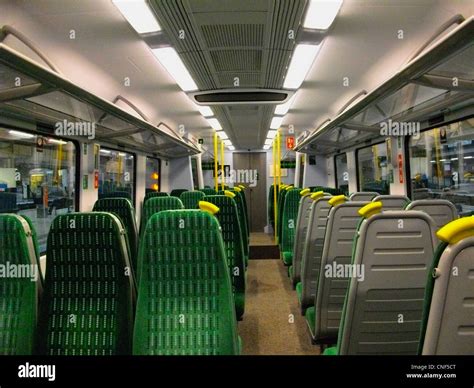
456 230
305 192
238 189
317 194
289 187
208 207
229 194
242 187
370 209
337 200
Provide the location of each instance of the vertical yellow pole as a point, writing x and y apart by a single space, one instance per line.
275 201
279 158
222 165
216 155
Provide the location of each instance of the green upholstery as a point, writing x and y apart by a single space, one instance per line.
240 197
154 194
177 192
88 294
281 208
116 194
299 291
310 316
185 304
271 206
232 236
18 295
243 222
290 215
191 199
34 235
209 191
155 205
124 210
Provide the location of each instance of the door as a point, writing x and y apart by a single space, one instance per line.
250 170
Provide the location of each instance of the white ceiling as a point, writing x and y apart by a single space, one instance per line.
362 45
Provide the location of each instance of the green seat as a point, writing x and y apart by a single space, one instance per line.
18 295
232 236
154 194
116 194
155 205
88 294
191 199
281 206
34 235
290 215
124 210
209 191
185 303
177 192
243 223
271 206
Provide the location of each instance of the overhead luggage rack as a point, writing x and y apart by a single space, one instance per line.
440 79
33 93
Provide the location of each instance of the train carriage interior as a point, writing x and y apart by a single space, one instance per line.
237 177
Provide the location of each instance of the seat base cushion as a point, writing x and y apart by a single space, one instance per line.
311 319
288 258
333 351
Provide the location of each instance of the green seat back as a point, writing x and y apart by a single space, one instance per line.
34 235
290 216
209 191
116 194
281 206
191 199
18 295
154 194
185 304
177 192
242 221
123 209
271 206
88 294
155 205
232 235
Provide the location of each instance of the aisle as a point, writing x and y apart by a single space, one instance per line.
270 300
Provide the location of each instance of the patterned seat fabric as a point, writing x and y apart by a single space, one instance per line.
191 199
177 192
18 294
124 210
87 301
185 304
232 236
209 191
155 205
116 194
288 228
243 222
154 194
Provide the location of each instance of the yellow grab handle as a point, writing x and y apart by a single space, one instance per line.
229 194
317 194
208 207
305 192
370 209
337 200
456 230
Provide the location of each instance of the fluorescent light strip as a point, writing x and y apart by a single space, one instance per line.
222 135
321 13
276 122
266 147
138 14
271 134
215 124
205 110
303 58
228 143
232 148
105 152
21 134
268 141
284 108
56 141
171 61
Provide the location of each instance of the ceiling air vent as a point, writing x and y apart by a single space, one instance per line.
241 96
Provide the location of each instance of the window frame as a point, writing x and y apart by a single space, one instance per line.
406 146
159 172
134 168
335 169
357 161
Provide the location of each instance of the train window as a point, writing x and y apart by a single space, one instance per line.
194 168
442 164
153 174
342 176
373 169
37 178
116 173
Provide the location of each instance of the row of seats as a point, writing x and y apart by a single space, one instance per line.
361 274
177 289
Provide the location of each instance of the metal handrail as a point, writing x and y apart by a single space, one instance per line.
363 92
9 30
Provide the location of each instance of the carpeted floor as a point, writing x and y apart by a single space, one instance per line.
270 300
